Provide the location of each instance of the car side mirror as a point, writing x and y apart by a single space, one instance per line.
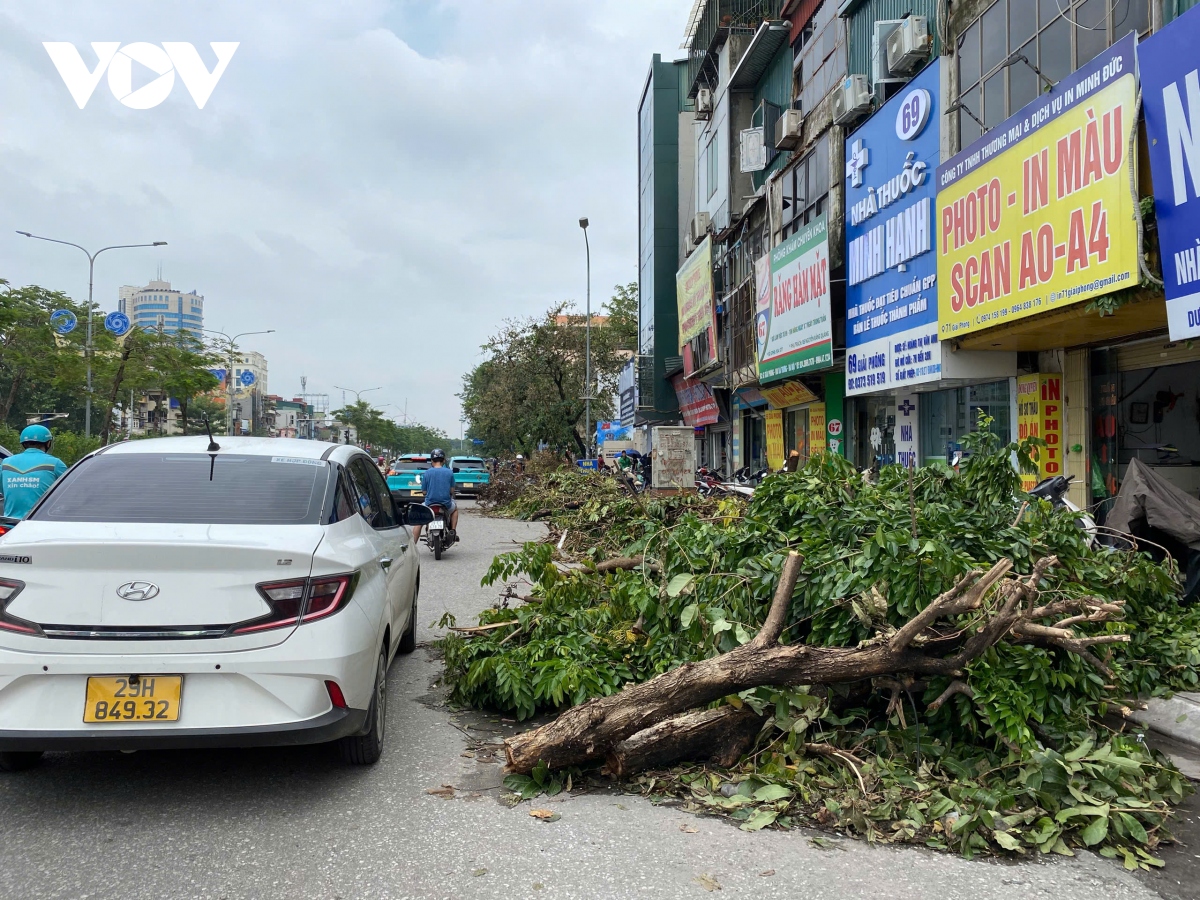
417 514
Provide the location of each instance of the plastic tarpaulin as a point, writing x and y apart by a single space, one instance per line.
1147 495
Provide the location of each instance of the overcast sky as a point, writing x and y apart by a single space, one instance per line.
380 182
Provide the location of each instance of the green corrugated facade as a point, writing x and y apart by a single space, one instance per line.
867 13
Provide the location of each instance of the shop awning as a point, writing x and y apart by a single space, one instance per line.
1074 326
770 36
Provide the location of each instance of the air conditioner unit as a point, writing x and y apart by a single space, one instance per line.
704 103
699 229
789 131
909 45
852 99
882 30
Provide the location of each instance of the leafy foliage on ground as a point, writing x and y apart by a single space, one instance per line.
1027 764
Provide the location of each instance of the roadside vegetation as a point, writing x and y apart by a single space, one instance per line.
946 665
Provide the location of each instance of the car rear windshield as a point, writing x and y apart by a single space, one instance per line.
410 467
190 488
469 464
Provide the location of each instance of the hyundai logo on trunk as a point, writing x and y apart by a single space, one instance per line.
137 590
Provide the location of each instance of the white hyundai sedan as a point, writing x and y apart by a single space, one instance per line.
172 593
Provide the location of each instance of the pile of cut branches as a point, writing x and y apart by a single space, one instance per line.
597 512
916 658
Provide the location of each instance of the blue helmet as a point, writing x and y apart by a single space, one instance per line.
36 434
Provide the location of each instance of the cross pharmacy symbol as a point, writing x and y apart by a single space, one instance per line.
907 407
859 158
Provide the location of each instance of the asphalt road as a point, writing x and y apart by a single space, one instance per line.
294 823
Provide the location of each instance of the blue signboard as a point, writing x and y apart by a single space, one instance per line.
891 266
63 321
246 378
117 323
1171 94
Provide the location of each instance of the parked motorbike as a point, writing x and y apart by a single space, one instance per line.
439 536
710 482
1054 490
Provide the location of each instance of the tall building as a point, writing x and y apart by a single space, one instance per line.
158 305
664 163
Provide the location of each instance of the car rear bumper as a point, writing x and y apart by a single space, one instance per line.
336 723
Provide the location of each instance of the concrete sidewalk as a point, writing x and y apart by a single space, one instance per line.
1178 720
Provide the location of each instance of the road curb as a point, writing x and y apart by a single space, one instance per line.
1178 718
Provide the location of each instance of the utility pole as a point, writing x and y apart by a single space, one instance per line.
587 352
87 415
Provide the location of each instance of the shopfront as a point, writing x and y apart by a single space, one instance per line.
1145 399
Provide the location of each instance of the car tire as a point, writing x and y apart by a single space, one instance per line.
437 548
408 640
19 760
365 749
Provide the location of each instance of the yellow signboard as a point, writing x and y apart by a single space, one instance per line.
816 429
694 293
774 439
790 393
1037 214
1039 414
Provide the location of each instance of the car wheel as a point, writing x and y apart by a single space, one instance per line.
365 749
437 546
408 641
19 761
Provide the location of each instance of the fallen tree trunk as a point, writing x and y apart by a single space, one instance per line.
592 729
721 735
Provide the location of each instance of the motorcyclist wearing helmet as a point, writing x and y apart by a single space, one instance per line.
438 484
29 474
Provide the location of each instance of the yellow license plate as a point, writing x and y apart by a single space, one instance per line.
144 698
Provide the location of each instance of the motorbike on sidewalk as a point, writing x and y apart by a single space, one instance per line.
439 536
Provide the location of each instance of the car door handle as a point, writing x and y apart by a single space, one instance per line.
386 562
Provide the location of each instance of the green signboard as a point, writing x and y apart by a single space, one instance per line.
795 321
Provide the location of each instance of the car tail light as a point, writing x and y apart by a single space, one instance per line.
299 600
327 595
336 697
9 588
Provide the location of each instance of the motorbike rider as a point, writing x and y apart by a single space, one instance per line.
29 474
437 482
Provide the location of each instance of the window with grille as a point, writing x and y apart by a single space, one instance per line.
806 189
1001 53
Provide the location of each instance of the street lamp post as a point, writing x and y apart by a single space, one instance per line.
357 394
229 371
87 415
587 352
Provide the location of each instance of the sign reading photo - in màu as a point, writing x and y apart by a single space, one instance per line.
1037 214
891 269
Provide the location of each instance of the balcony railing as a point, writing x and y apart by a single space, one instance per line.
717 21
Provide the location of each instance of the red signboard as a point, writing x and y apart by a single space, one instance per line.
696 402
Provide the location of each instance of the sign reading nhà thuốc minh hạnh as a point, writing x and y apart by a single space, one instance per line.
1037 214
1171 94
891 266
694 297
794 322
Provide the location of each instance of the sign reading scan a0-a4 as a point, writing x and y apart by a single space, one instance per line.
1171 92
1036 215
795 323
891 266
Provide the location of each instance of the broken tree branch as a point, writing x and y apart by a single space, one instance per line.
593 729
628 564
723 735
